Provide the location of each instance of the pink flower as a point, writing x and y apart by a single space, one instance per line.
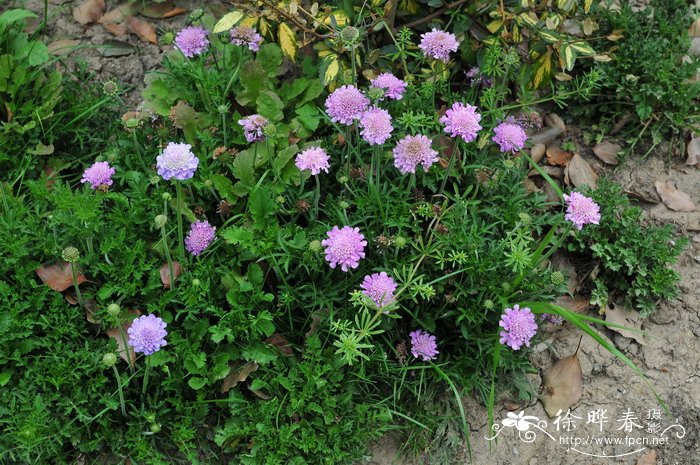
244 35
346 104
519 327
192 41
393 87
438 44
200 236
412 151
344 247
147 334
462 120
99 175
380 288
581 210
253 127
177 161
376 126
314 159
510 137
423 345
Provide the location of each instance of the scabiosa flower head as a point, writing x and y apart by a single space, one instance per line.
581 210
412 151
344 247
438 44
245 35
554 319
147 334
177 161
346 104
192 41
380 288
314 159
393 87
98 175
375 125
510 137
519 327
200 236
423 345
253 127
462 120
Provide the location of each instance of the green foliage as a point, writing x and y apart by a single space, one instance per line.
634 260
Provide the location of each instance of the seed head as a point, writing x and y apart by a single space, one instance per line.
109 359
160 221
70 254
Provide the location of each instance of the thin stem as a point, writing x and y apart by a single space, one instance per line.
449 168
181 241
223 124
168 257
145 377
120 389
318 196
74 275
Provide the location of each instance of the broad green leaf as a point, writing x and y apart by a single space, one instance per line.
197 383
542 70
287 40
236 235
283 157
253 79
270 105
228 21
549 36
582 47
270 57
13 16
224 186
261 206
567 57
243 167
329 69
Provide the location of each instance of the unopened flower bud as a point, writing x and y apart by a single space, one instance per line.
167 38
315 246
113 310
222 109
109 359
349 35
270 130
70 254
280 199
155 427
196 282
488 304
558 278
110 88
167 196
196 14
525 218
344 204
208 183
400 242
161 221
375 93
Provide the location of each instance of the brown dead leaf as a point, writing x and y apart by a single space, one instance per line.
315 321
162 10
530 186
115 334
579 173
165 273
620 315
142 28
116 29
120 13
89 11
554 121
281 343
557 156
673 198
58 276
62 46
90 309
648 459
563 385
693 151
260 393
238 374
511 406
445 146
553 171
576 304
607 152
537 152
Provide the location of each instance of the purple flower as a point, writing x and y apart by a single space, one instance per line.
147 334
393 87
380 288
581 210
412 151
346 104
423 345
510 137
99 175
376 126
438 44
519 327
200 236
253 127
314 159
192 41
177 161
554 319
344 247
244 35
475 78
462 120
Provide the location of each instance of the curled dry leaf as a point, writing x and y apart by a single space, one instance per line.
607 152
281 343
576 304
165 273
673 198
553 171
162 10
89 11
562 384
554 121
530 186
238 374
537 152
620 315
557 156
545 135
58 276
62 46
120 13
118 29
142 28
693 151
648 459
579 173
115 334
260 393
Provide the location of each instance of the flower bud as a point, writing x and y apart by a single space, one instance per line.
160 221
114 310
167 196
208 183
167 38
400 242
349 35
375 93
109 359
196 282
196 14
558 278
315 246
488 304
110 88
70 254
344 204
155 427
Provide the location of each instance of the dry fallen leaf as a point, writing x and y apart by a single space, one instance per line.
58 276
579 173
576 304
563 385
545 135
537 152
557 156
62 47
281 343
118 29
554 121
673 198
607 152
648 459
162 10
693 151
620 315
553 171
238 374
530 186
115 334
89 11
142 28
260 393
165 273
120 13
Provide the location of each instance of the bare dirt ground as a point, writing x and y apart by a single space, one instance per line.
670 358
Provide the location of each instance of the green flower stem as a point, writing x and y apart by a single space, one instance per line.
145 376
449 168
168 257
74 275
181 241
234 75
223 124
317 198
120 389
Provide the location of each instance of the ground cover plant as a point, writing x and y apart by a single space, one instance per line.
283 253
